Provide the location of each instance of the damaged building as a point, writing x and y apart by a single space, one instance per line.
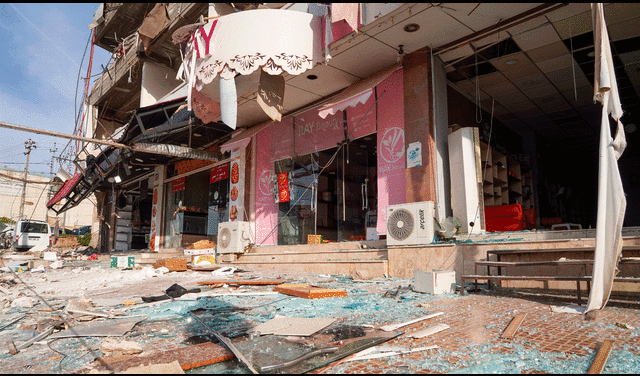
355 138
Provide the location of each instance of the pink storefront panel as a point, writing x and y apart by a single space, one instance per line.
391 146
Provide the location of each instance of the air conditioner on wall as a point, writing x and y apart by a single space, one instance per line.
410 224
233 237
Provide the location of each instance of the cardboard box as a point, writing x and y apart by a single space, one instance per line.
435 282
314 239
174 265
35 264
123 262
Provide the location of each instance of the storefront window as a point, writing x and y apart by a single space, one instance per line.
171 227
218 198
295 209
330 193
186 219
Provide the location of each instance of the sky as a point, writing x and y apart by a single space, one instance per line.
41 54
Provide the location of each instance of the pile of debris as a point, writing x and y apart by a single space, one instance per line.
90 316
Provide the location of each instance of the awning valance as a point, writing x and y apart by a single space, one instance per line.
275 40
356 93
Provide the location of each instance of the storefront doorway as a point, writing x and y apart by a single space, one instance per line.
195 204
330 193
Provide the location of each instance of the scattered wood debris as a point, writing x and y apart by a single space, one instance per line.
511 330
601 357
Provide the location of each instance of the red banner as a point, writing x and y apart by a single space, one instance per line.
219 173
283 187
177 185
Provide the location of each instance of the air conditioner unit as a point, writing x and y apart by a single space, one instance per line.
410 224
233 237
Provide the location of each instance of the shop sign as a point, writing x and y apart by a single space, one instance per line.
283 187
177 185
182 167
313 133
219 173
361 119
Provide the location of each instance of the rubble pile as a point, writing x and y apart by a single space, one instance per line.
75 311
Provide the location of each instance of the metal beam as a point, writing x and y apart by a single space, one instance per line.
161 149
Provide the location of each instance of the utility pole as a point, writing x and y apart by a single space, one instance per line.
27 145
53 156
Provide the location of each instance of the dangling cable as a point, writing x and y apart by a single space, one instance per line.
478 107
486 158
573 66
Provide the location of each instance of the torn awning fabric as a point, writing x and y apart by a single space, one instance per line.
356 93
64 190
611 200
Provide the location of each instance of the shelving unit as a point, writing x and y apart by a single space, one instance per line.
481 177
503 181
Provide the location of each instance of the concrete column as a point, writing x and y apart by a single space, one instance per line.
418 124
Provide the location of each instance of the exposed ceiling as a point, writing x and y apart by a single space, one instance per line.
528 68
540 73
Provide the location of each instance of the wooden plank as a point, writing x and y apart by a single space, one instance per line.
303 290
513 327
243 282
601 357
189 357
552 250
545 278
556 262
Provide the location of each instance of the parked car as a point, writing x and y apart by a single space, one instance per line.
29 233
81 230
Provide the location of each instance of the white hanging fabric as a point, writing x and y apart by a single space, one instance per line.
611 199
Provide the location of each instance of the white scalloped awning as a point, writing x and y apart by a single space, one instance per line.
272 39
356 93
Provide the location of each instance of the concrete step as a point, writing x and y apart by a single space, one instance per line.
364 244
317 258
359 269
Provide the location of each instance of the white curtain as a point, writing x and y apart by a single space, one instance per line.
611 199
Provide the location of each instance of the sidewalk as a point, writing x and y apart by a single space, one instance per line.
546 342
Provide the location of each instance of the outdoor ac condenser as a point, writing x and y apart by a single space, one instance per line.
233 237
410 224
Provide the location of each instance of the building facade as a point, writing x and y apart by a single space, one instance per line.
314 119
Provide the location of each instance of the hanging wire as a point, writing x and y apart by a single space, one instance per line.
486 164
573 65
478 106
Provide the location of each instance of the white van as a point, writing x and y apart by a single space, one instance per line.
29 233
